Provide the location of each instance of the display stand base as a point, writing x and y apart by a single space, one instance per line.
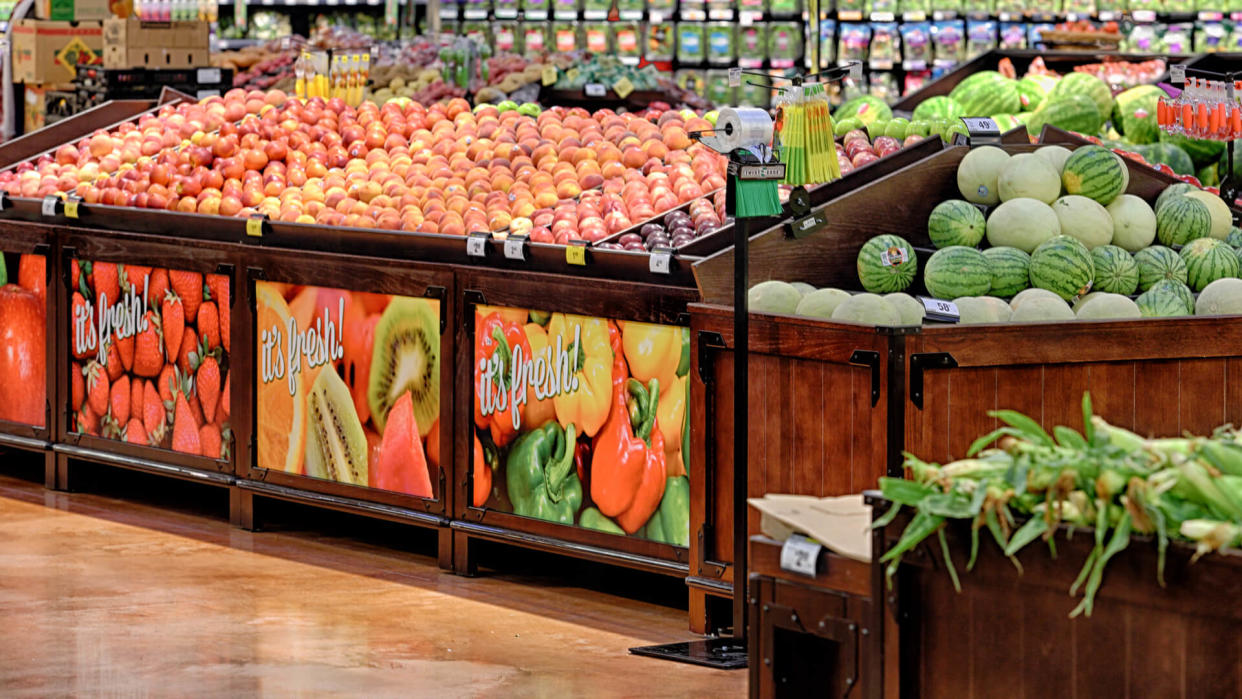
718 653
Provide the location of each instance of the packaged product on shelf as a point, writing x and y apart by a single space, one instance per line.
718 90
692 7
980 37
596 6
691 79
883 86
785 8
479 30
536 8
534 38
884 51
628 39
505 7
659 42
784 44
948 40
659 10
1210 37
752 45
1147 5
1177 38
565 36
690 42
1012 36
979 6
450 26
595 37
1114 6
1009 7
752 95
506 37
914 7
627 7
721 43
565 8
1080 7
827 43
851 6
753 6
1233 42
1172 6
1142 38
916 45
854 44
946 5
914 81
1034 35
884 7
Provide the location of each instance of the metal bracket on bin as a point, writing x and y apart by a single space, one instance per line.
471 298
441 294
921 362
708 342
872 359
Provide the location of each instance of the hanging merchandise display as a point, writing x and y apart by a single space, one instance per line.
805 133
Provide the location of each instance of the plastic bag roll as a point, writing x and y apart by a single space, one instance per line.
740 127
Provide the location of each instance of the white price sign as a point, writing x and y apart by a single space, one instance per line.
49 204
943 311
661 261
800 555
981 125
595 90
208 76
476 245
1177 73
515 247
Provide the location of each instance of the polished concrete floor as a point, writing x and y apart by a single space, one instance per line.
108 595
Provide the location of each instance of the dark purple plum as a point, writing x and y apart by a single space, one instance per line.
630 238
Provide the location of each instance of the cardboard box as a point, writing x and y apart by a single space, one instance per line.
50 52
73 10
130 43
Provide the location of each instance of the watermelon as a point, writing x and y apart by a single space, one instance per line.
1135 114
865 108
978 173
1158 262
957 271
1201 152
938 107
1166 298
1028 175
1116 272
1087 85
987 92
1042 309
1010 270
1171 155
1174 190
1182 219
1071 113
1084 219
1221 297
955 222
1207 260
867 308
1234 238
1006 122
1222 218
1032 92
887 263
1063 266
1022 223
1134 223
1109 307
1095 172
1208 175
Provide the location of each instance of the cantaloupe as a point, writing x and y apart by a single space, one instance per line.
1032 293
908 307
978 173
1222 297
1042 309
1084 219
1022 223
802 287
773 297
1222 219
867 308
1055 155
1029 175
1109 307
1134 223
821 303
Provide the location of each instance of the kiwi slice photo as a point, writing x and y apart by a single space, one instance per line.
336 445
406 357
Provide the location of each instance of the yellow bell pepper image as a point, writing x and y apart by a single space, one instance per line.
652 351
539 411
670 417
587 405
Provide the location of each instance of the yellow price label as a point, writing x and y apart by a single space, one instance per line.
623 87
549 75
575 254
572 74
254 227
71 208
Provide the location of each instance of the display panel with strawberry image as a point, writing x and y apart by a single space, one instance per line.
23 339
583 421
348 386
149 348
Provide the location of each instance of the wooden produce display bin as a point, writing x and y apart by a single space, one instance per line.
1013 631
813 636
627 330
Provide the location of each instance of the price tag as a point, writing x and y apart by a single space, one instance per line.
655 17
548 75
882 17
942 311
476 244
1143 15
623 87
856 71
1177 74
772 171
807 225
4 200
575 253
208 76
254 225
71 207
800 555
515 247
49 204
595 90
660 261
735 77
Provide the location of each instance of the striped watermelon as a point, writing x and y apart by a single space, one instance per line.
1174 190
865 108
1010 270
1115 270
1095 172
1170 155
956 222
1071 113
1201 152
987 92
1207 260
1235 237
938 107
1156 263
1063 266
1167 298
1135 114
887 263
1182 219
1032 91
1087 85
957 271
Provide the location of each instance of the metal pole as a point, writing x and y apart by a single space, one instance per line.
741 396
